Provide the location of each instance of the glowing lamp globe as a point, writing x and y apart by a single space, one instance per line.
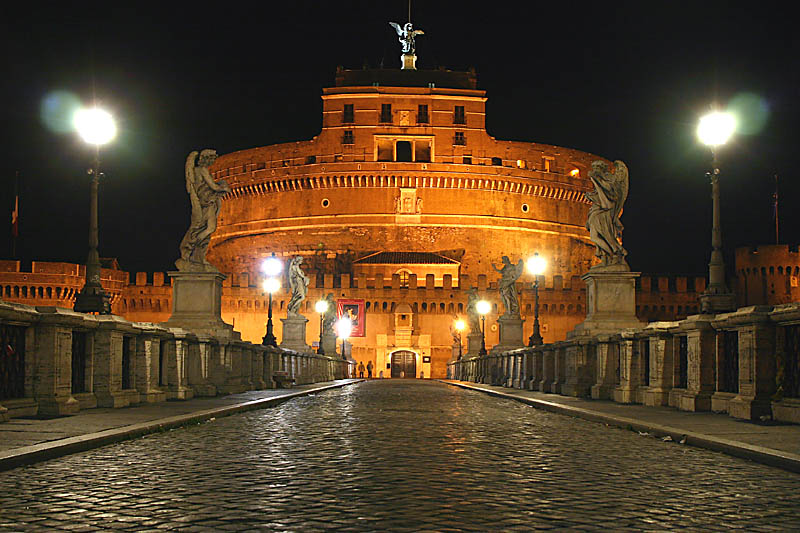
537 265
271 266
483 307
95 126
459 325
716 128
344 327
321 306
272 285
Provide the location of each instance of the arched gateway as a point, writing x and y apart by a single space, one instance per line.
404 364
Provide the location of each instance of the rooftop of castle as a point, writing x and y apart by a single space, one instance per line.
443 78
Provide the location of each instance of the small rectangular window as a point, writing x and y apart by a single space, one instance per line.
347 117
386 112
497 161
310 160
459 139
458 116
422 114
348 138
467 160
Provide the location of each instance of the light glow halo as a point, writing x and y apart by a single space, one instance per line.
95 126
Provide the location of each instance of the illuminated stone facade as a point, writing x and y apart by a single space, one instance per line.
405 201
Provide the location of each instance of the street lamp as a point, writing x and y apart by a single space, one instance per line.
536 266
714 130
459 327
321 307
343 330
96 127
483 307
271 268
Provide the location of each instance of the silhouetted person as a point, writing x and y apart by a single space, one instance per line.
369 369
361 369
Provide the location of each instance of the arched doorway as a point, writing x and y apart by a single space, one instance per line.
404 363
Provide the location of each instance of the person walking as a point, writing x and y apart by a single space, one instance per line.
361 369
369 369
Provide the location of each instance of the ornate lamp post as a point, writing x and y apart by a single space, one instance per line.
459 327
536 266
271 268
714 130
483 307
321 307
96 127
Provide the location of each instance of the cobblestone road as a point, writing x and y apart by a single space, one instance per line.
398 455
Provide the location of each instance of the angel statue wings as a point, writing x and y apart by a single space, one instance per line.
603 223
407 36
507 287
205 196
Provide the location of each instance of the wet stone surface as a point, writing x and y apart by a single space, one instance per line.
398 455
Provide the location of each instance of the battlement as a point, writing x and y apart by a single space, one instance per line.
769 259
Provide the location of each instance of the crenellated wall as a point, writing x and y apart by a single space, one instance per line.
767 275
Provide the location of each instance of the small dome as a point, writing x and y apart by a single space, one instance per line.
403 309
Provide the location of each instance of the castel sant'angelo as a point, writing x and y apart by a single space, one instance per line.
406 202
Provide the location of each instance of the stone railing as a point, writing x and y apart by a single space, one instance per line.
56 362
745 363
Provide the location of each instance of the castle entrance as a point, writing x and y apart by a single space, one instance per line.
404 364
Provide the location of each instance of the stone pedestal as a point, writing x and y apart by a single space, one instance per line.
329 344
474 344
294 333
510 334
197 304
610 302
408 62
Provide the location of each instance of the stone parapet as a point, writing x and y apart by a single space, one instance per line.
60 362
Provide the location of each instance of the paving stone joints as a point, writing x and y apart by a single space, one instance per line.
399 455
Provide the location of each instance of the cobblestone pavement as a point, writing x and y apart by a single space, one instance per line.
402 456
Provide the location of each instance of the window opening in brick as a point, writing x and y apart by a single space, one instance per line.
403 149
386 112
458 116
467 160
347 137
497 161
422 114
348 116
459 139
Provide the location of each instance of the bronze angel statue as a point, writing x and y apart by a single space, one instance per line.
603 223
205 196
407 36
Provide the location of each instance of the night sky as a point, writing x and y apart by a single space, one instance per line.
626 81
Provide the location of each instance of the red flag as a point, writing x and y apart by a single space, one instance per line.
15 218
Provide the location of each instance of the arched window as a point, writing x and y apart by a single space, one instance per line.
404 277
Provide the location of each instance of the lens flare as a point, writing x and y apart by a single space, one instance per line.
752 112
57 110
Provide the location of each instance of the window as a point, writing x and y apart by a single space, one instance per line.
459 139
497 161
521 163
386 112
310 160
467 160
347 117
422 114
458 115
404 149
404 278
347 138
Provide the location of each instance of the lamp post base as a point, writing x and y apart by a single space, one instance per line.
92 299
717 302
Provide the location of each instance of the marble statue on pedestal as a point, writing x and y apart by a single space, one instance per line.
472 312
205 196
509 275
603 223
298 284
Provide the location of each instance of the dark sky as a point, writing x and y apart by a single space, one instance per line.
626 80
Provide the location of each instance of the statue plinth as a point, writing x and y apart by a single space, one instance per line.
510 334
197 304
610 301
294 333
474 344
408 62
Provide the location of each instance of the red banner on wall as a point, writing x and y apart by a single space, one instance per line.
355 311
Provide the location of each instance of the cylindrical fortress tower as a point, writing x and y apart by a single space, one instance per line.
404 164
